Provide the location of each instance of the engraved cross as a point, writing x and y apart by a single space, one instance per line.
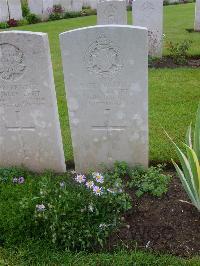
20 131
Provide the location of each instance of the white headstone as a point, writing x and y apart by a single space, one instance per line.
112 12
29 123
66 4
47 8
197 16
4 16
77 5
15 9
93 3
106 77
36 7
149 14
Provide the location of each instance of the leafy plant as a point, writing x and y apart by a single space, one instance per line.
151 181
190 162
25 9
32 18
4 25
72 211
12 22
56 12
179 51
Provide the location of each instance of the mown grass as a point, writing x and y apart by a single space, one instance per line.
40 253
174 94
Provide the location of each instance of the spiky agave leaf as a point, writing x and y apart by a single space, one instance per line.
197 134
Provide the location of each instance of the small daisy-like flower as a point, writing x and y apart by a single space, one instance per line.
89 184
97 190
15 180
91 207
40 207
21 180
80 179
62 184
73 172
99 178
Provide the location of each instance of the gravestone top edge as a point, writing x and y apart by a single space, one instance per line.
103 27
24 32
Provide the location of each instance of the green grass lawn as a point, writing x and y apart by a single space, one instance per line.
41 254
174 94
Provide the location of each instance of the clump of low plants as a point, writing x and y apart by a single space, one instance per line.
179 51
32 18
56 12
4 25
151 180
72 211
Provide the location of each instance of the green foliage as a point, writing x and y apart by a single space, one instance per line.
32 18
190 162
72 14
152 181
25 9
179 51
4 25
22 22
59 209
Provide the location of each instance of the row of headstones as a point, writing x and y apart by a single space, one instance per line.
106 77
146 13
10 9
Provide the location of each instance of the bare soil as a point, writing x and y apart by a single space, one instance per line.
168 62
164 225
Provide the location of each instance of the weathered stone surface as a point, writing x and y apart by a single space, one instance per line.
66 4
106 69
77 5
29 124
149 14
47 8
15 9
112 12
36 7
4 16
197 16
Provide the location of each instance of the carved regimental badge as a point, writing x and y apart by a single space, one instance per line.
12 64
103 58
110 14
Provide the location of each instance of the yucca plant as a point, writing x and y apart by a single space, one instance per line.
190 163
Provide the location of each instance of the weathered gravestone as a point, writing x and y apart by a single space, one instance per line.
105 69
149 14
66 4
77 5
197 16
15 9
4 15
41 8
36 7
112 12
29 124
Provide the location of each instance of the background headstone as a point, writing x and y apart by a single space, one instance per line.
106 77
112 12
77 5
149 14
47 8
15 9
4 15
197 16
29 123
66 4
36 7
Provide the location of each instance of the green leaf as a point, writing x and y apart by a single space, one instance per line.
197 134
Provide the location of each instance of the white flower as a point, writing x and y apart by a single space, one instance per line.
99 178
89 184
91 207
40 207
97 190
102 226
73 172
80 178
